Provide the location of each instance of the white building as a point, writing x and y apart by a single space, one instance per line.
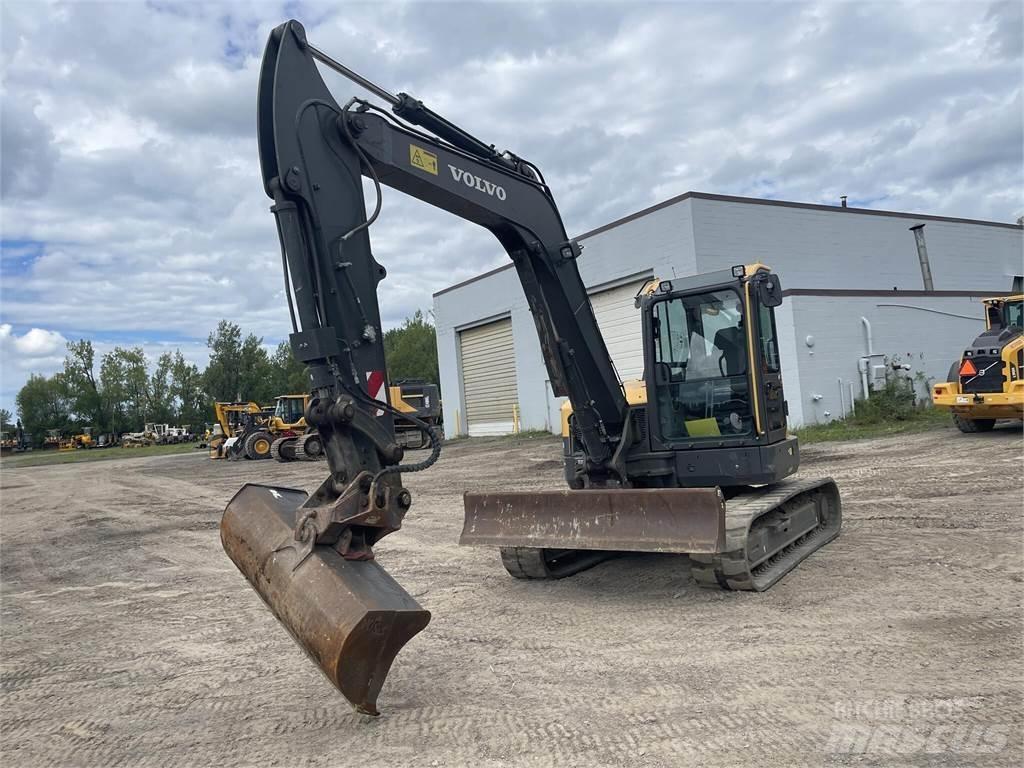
852 277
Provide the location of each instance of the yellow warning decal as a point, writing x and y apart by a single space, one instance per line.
420 158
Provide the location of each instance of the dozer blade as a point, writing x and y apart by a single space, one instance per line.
350 616
617 520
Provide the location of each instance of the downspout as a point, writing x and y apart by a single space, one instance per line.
922 257
864 362
867 333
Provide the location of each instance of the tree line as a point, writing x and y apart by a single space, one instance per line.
121 391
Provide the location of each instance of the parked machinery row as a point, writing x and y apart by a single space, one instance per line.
247 430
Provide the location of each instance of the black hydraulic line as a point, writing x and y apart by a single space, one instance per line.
414 111
401 124
366 164
355 77
287 278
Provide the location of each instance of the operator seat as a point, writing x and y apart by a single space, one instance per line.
730 342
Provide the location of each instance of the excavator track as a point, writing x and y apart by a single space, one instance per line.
534 563
305 450
768 532
282 450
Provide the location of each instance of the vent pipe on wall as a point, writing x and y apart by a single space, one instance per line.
922 256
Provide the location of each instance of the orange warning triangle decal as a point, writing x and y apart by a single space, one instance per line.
968 369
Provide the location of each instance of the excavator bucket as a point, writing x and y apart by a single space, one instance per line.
350 616
617 520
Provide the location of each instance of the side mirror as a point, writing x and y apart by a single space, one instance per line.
769 290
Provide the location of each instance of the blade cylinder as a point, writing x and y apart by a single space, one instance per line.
349 616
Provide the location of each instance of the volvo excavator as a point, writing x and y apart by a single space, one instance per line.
702 464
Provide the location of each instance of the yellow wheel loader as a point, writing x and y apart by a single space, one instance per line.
987 382
234 421
704 465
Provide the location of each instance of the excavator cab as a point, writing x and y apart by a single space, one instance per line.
712 360
289 411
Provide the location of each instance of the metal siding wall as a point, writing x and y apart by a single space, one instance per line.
489 378
619 322
927 337
835 249
808 248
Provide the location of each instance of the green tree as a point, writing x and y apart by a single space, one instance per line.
239 368
411 350
256 374
125 380
287 374
83 389
5 420
43 404
194 407
161 397
222 377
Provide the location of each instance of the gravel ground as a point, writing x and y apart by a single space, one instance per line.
128 638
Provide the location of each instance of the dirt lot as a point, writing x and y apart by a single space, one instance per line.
130 639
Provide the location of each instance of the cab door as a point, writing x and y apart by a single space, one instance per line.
768 369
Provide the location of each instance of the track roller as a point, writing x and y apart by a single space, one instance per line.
533 563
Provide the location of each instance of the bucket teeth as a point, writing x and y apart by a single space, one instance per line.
350 616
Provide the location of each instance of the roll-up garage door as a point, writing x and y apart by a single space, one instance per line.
619 322
489 378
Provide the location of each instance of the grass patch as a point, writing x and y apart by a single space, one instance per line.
526 434
861 428
38 458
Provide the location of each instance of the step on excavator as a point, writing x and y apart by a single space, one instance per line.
703 465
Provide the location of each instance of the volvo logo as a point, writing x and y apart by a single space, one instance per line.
467 178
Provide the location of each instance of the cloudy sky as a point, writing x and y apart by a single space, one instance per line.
133 210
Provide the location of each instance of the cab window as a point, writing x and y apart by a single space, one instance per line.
289 409
769 344
700 367
1014 314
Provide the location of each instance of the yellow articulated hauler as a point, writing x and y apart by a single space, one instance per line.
987 382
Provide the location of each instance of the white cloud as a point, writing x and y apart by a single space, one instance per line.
129 135
37 342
